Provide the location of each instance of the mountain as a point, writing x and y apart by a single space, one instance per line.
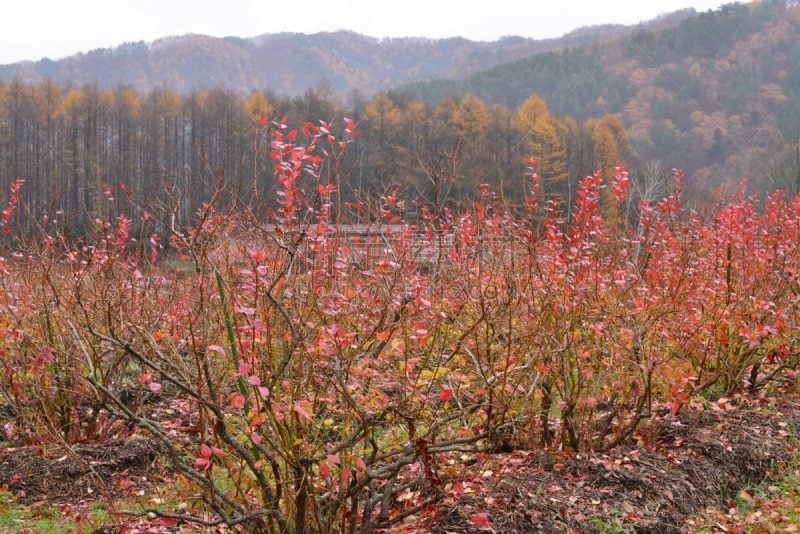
717 94
290 63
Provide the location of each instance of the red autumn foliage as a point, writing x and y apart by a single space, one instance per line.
335 356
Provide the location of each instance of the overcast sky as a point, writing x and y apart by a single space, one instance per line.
32 29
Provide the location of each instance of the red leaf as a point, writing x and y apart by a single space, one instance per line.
361 465
255 437
382 336
303 409
480 519
324 469
446 395
205 451
216 348
155 387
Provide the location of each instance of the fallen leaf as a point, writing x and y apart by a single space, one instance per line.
480 519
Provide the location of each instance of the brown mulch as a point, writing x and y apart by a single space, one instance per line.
83 471
683 466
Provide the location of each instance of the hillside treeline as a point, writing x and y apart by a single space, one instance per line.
288 63
76 147
717 94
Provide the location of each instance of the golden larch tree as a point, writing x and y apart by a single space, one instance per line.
544 143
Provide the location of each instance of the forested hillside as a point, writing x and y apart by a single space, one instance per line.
289 63
718 94
714 94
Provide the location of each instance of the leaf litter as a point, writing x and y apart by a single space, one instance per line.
682 469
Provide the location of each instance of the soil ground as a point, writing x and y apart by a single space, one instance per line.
684 473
